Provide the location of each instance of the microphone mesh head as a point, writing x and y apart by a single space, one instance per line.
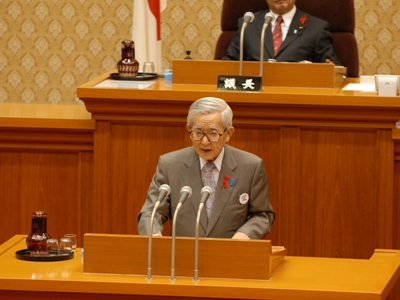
187 189
268 17
248 17
166 188
206 189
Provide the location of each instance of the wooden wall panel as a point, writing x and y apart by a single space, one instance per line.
329 192
45 165
128 155
132 154
97 212
42 180
323 182
267 143
335 186
324 187
330 183
396 204
86 190
396 190
136 149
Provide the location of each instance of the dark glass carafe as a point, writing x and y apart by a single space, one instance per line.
128 66
36 240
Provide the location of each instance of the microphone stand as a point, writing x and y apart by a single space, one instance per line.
186 192
173 242
248 17
268 19
164 190
241 49
196 245
151 241
206 192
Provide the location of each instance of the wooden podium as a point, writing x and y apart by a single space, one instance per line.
322 147
218 258
278 74
297 277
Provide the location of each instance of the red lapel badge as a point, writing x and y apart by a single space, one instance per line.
225 182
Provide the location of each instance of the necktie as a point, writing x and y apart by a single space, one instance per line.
210 181
277 35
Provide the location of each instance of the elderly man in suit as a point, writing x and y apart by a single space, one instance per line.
303 37
240 205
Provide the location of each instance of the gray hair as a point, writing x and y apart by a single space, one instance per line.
209 105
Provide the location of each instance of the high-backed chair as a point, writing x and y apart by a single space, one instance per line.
340 15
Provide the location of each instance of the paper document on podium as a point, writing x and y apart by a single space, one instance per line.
125 84
364 87
277 249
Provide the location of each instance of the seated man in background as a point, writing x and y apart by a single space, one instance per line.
239 205
293 36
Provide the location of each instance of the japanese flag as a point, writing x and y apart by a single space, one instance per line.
146 31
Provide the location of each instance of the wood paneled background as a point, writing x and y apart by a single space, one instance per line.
335 190
45 165
49 47
334 184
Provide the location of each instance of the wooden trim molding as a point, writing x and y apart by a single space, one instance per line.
50 134
396 140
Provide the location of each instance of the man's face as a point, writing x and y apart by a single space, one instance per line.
209 123
280 7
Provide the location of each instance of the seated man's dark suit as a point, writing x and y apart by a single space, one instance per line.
311 41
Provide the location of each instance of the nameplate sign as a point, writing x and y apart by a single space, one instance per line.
240 83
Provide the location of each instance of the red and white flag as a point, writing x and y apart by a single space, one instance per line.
146 31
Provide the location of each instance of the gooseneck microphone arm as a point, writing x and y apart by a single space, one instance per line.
164 190
268 19
186 192
205 193
248 17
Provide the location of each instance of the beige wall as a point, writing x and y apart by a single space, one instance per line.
49 47
377 33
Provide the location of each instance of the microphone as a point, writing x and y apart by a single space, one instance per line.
164 190
205 194
268 19
248 18
186 192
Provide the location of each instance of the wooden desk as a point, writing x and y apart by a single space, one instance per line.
329 154
333 160
297 278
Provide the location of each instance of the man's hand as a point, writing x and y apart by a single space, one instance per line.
240 236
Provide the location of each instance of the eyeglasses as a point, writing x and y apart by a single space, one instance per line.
212 136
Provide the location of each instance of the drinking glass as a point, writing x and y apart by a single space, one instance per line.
148 68
52 246
73 240
65 246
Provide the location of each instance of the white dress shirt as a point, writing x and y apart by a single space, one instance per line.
287 20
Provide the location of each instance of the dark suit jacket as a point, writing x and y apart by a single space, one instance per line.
312 42
182 168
